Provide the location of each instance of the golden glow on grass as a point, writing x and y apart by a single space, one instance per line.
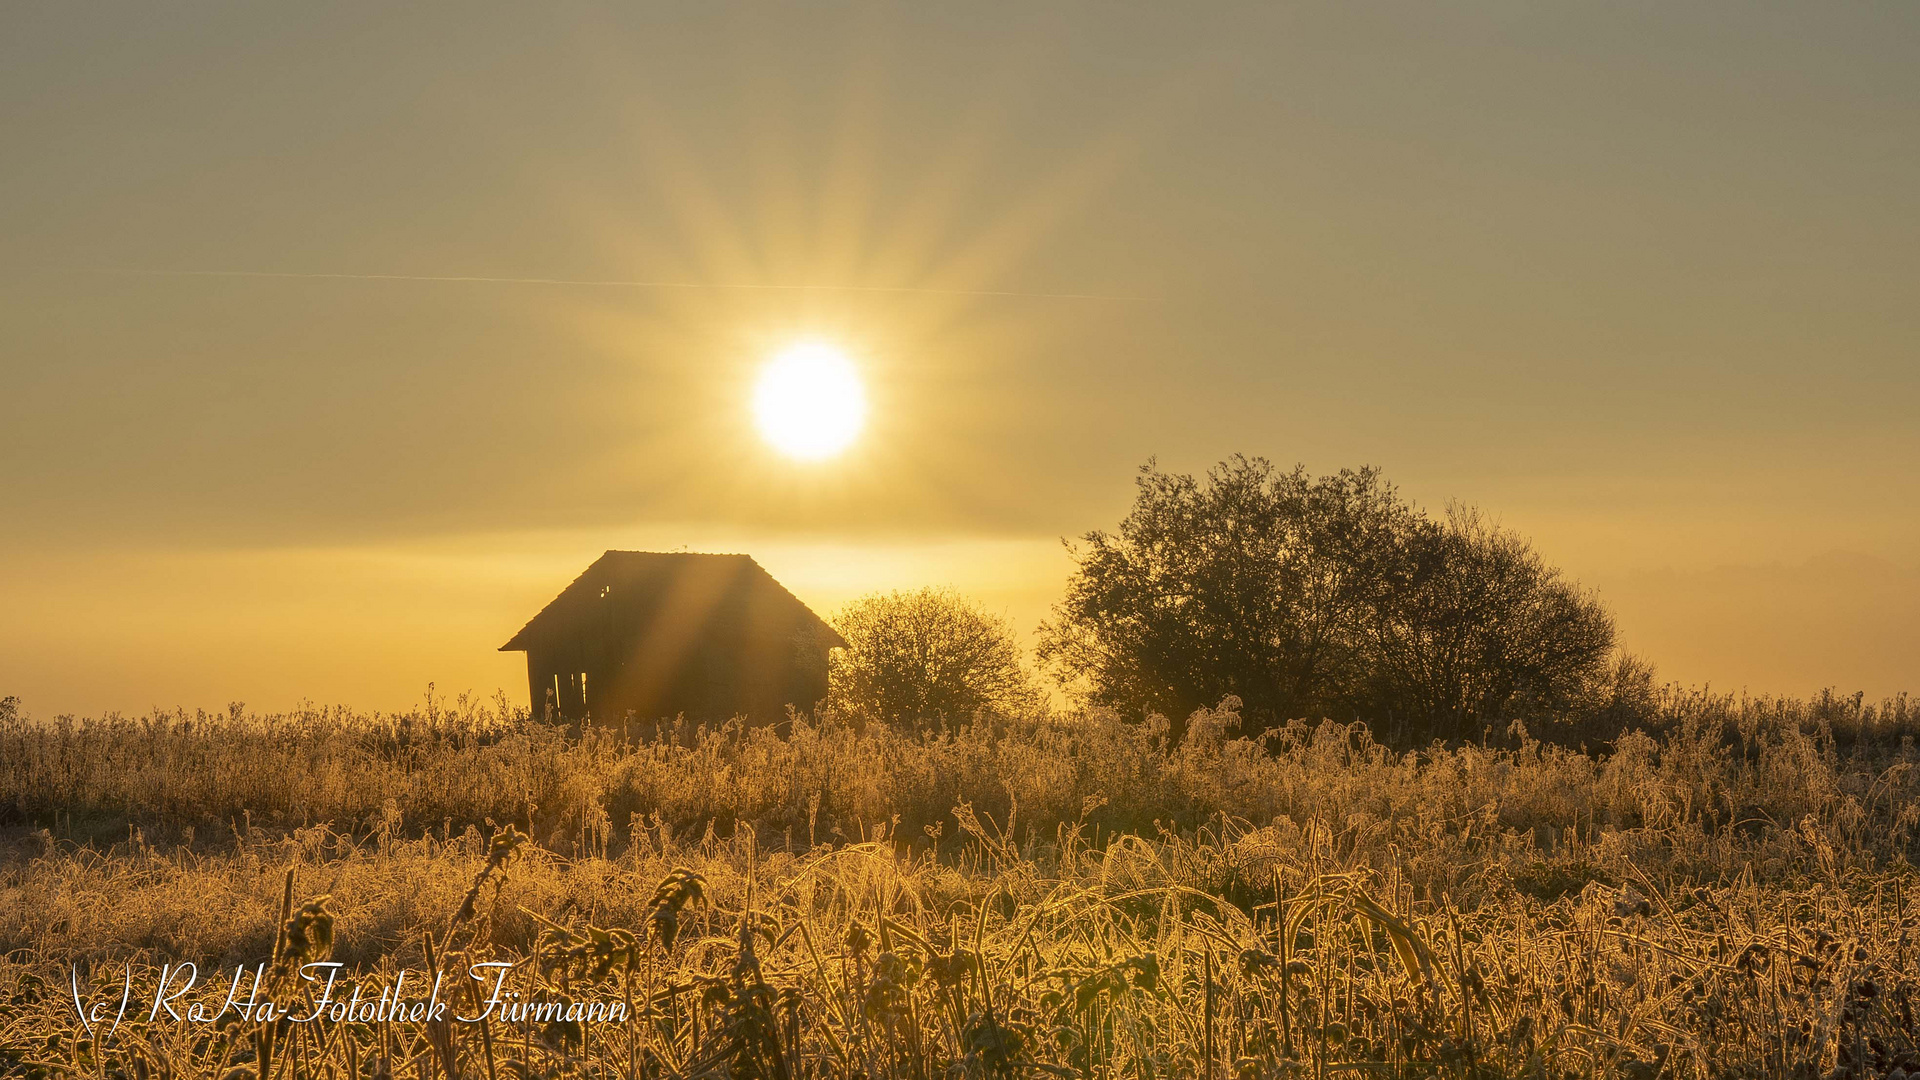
809 402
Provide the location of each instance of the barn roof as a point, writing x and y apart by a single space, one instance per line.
663 570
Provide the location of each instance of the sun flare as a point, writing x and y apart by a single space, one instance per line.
809 403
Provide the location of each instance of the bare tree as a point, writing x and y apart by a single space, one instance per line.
925 657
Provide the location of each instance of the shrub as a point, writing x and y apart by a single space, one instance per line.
1324 596
925 658
1478 629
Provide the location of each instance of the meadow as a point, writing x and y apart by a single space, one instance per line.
1728 890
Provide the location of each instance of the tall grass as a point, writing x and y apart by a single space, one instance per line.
1715 786
1729 892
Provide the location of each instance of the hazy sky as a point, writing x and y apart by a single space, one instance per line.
1639 279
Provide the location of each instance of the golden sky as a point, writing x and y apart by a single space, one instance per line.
335 339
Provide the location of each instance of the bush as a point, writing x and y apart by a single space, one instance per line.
926 658
1479 630
1325 597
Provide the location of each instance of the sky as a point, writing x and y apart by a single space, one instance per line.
336 339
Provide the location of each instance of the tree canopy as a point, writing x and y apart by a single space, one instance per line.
1325 596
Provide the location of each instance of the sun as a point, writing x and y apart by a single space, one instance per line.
809 403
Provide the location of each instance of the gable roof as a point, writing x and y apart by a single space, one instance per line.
663 570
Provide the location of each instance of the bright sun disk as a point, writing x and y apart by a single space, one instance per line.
809 403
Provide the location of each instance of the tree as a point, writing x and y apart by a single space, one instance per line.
1480 630
1250 584
1327 596
926 657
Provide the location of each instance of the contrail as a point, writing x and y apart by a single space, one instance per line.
597 284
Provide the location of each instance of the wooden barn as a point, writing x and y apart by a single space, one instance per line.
643 636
